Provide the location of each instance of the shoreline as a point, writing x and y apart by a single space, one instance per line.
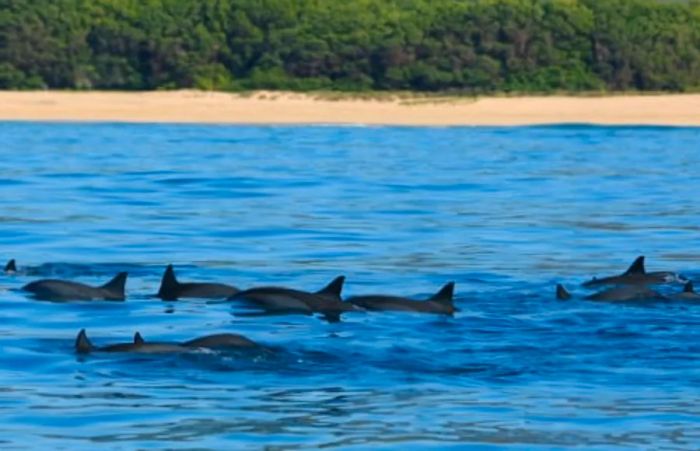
272 107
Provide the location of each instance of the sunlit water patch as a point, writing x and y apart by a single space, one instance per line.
504 212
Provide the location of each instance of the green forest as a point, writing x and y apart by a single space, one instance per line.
470 46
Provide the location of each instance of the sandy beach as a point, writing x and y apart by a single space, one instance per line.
294 108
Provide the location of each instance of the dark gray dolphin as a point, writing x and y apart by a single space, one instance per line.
688 293
441 302
171 289
217 342
84 346
636 274
624 293
286 300
11 267
63 290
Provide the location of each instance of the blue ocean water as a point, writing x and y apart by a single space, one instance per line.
504 212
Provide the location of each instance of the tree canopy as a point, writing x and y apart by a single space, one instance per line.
421 45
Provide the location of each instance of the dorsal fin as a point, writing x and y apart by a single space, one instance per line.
169 286
562 294
688 288
115 287
637 267
82 343
11 266
445 295
138 339
334 288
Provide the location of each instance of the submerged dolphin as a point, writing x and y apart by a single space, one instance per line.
688 293
218 342
636 274
625 293
64 290
286 300
441 302
11 267
171 289
221 342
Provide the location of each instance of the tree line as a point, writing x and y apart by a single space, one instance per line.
470 46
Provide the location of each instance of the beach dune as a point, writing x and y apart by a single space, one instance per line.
295 108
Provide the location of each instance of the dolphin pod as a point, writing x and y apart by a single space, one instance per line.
631 285
218 342
634 286
327 301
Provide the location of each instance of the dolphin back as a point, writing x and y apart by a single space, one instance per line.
220 341
635 270
627 293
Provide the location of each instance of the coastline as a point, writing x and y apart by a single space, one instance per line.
297 108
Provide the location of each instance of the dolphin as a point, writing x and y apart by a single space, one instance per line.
218 342
64 290
688 293
171 289
84 346
286 300
624 293
441 302
636 274
11 267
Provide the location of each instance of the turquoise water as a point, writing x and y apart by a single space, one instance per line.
504 212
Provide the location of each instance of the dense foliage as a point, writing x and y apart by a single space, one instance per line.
424 45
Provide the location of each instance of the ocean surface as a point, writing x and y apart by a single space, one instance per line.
506 213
